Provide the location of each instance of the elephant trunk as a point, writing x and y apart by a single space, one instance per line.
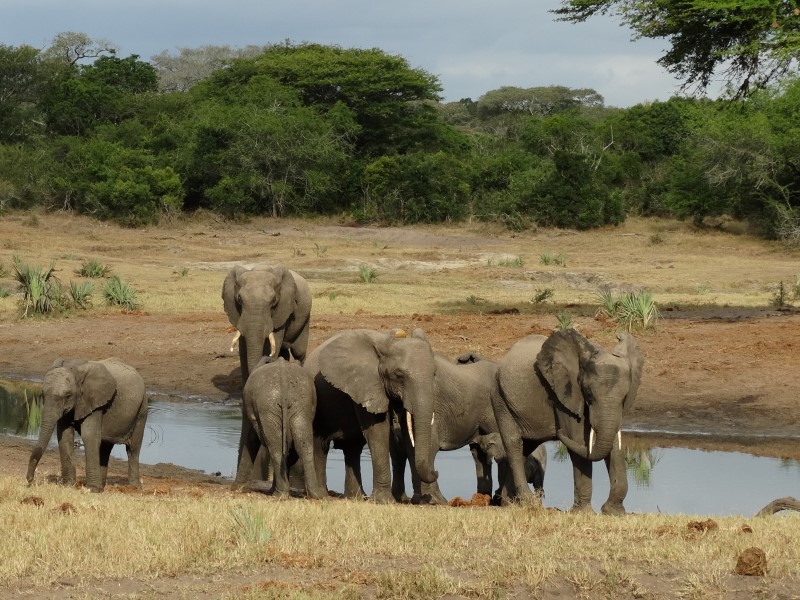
604 433
255 331
50 417
422 425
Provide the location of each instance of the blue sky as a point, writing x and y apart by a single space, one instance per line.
472 47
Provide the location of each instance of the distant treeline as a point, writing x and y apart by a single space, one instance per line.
299 129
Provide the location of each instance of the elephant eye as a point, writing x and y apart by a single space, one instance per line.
238 299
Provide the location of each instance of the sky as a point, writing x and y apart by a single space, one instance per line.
472 47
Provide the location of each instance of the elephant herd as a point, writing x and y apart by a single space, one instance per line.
388 390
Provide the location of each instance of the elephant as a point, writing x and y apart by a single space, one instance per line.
563 387
463 415
279 400
535 462
105 402
270 306
363 377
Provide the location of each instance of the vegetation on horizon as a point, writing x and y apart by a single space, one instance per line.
307 129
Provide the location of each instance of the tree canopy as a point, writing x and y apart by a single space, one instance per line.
750 43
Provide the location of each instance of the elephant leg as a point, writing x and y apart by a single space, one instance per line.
249 446
377 433
105 456
280 480
353 487
618 478
91 435
483 469
512 440
399 459
582 475
304 445
66 449
133 448
321 449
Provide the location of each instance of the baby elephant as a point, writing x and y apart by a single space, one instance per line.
105 402
279 400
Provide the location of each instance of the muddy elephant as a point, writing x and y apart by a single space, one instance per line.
362 376
462 409
270 306
279 401
564 387
105 402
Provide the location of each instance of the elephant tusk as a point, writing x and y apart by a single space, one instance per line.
619 439
272 349
433 418
410 424
235 339
591 439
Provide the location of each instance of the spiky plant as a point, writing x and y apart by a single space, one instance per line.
564 319
638 310
41 289
80 294
367 273
93 269
119 293
608 303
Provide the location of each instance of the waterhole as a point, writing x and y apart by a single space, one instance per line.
205 436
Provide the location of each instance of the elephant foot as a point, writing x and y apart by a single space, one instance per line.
613 508
382 496
582 507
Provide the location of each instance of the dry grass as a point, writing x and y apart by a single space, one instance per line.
55 532
179 268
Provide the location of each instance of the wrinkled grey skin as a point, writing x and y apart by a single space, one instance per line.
361 376
462 408
264 300
279 401
105 402
559 388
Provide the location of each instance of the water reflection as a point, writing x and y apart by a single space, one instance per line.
20 408
205 436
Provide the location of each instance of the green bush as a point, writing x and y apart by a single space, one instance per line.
93 269
41 289
119 293
80 294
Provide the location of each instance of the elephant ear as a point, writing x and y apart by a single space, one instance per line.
628 349
287 297
97 388
560 362
350 362
229 289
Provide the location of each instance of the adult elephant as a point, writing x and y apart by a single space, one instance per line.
565 388
270 307
462 407
105 402
361 377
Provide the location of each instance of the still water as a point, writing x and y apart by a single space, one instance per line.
205 436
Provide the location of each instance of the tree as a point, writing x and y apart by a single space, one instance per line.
97 93
392 103
750 42
537 101
71 47
179 72
22 79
